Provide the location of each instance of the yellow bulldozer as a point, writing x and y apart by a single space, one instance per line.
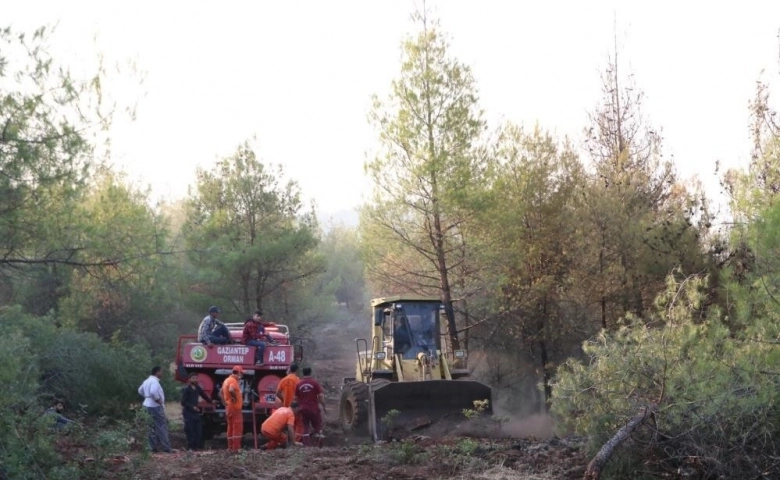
407 374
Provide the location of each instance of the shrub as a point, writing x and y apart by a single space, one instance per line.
41 362
716 398
96 377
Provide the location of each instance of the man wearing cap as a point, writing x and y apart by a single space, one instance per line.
233 400
278 428
211 330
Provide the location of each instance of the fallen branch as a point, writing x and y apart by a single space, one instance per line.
602 457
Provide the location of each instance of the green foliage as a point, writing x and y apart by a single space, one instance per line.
19 369
48 118
97 381
251 246
65 243
389 421
74 236
638 221
43 154
715 396
521 233
126 300
344 269
428 176
91 375
27 449
479 408
467 446
528 237
407 452
755 189
32 450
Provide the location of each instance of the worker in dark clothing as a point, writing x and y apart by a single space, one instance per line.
310 396
193 423
55 411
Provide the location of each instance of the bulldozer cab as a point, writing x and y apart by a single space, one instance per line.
406 342
410 328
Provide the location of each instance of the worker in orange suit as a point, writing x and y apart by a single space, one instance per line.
278 428
285 393
233 400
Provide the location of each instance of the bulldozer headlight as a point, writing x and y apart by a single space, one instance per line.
379 355
460 354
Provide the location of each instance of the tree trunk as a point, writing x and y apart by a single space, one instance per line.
446 298
543 356
595 467
245 291
603 297
437 235
467 323
604 312
259 290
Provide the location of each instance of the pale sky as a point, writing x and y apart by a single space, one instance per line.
298 75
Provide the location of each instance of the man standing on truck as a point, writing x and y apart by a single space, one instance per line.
278 428
255 336
310 396
211 330
234 401
154 401
193 423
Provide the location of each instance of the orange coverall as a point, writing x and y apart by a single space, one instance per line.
275 427
287 389
235 419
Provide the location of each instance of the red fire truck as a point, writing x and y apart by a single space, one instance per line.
214 363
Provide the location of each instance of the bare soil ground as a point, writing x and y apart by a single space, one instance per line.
526 449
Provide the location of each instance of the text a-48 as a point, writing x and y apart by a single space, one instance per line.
277 356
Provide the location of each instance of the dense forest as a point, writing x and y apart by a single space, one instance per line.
586 278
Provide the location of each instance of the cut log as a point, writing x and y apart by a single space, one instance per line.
593 472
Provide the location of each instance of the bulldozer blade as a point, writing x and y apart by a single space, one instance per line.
421 403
